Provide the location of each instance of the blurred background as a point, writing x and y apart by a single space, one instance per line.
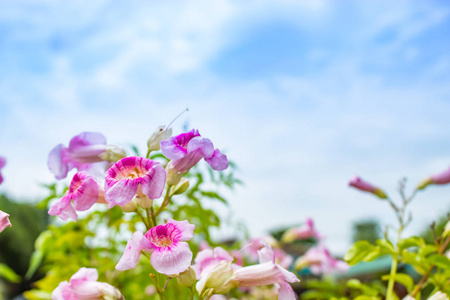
301 95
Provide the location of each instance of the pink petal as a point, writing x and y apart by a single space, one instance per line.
176 146
86 195
153 183
63 209
203 144
288 276
2 162
285 292
362 185
89 274
172 260
186 229
121 193
55 162
218 161
130 257
86 139
4 221
266 254
57 293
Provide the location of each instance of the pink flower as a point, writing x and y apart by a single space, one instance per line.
83 285
2 165
132 175
187 149
267 272
83 191
208 259
4 221
256 244
84 149
320 261
306 231
441 178
170 254
362 185
223 277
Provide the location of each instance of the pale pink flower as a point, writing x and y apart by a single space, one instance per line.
223 277
320 261
83 285
4 221
170 254
2 165
364 186
305 231
207 259
265 273
256 244
187 149
132 175
83 193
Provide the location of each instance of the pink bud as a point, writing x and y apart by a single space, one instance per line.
4 221
441 178
362 185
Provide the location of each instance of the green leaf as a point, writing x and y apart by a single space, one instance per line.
358 252
414 241
386 247
439 261
8 274
403 279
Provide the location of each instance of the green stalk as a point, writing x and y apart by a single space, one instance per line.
390 290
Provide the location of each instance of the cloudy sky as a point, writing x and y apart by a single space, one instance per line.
302 95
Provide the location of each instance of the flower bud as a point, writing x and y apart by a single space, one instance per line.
181 187
446 232
301 263
441 178
143 201
130 206
362 185
173 176
218 279
155 139
113 153
187 278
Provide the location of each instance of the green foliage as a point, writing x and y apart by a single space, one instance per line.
368 230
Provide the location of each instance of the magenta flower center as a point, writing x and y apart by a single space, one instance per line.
163 236
162 241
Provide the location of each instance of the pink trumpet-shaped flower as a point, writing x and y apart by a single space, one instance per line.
207 259
4 221
187 149
132 175
362 185
2 165
267 272
320 261
83 285
83 192
306 231
441 178
84 149
170 254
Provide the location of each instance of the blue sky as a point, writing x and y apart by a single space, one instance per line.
302 95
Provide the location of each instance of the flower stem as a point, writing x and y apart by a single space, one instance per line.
165 202
390 289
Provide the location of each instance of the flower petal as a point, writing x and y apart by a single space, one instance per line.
176 146
130 257
186 229
203 144
121 193
86 139
55 162
63 209
89 274
86 195
286 292
218 161
152 184
172 260
4 221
